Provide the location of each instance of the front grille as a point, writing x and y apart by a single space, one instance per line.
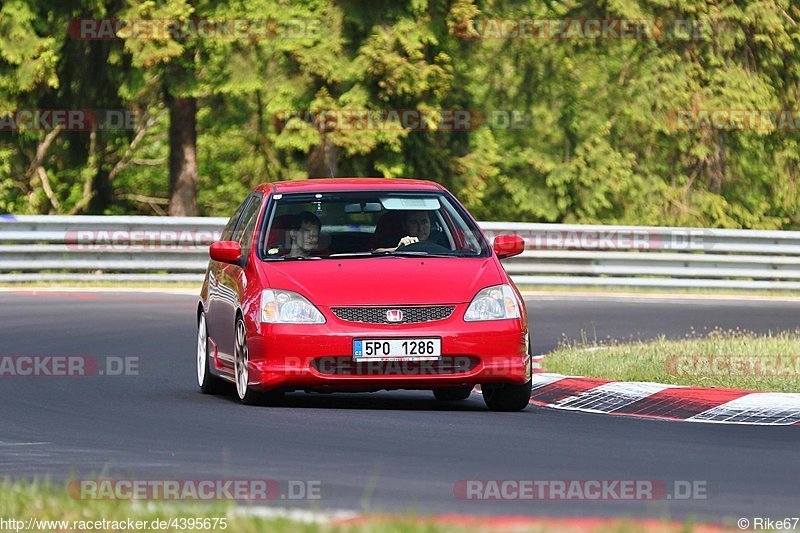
377 315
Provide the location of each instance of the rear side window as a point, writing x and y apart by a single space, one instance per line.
227 233
245 229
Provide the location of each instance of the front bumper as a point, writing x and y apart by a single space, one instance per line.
320 356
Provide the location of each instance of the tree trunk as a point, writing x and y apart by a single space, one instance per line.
182 156
322 160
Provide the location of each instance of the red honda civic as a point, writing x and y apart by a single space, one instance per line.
361 284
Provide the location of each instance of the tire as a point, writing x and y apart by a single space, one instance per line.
241 359
507 397
453 394
209 383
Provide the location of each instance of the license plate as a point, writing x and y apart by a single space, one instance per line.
429 349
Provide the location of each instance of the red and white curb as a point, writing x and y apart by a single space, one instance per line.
347 519
671 402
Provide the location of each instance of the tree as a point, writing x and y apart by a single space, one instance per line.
592 137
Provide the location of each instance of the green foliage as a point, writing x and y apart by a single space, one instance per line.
597 141
27 59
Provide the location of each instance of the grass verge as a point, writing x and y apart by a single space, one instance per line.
44 502
730 359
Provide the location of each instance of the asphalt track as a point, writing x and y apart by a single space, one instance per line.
381 451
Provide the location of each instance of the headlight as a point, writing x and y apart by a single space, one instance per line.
287 307
493 303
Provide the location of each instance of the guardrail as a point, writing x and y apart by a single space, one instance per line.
92 248
110 248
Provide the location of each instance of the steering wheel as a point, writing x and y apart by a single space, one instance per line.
425 246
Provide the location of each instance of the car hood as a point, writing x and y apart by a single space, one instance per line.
384 280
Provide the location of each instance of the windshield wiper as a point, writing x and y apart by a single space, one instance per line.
359 254
384 253
400 253
293 258
420 253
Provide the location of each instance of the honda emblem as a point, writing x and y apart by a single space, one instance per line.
394 315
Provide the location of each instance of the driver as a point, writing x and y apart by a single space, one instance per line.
304 234
416 226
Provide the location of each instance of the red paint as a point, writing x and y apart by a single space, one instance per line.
680 403
225 252
381 280
348 184
508 245
564 388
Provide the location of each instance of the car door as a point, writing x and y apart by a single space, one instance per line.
231 276
216 315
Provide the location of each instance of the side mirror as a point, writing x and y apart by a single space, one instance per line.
226 252
508 246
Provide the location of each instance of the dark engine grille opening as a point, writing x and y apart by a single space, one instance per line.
346 366
377 315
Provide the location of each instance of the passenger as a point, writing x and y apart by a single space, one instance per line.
304 234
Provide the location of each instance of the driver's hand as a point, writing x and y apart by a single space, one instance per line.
405 241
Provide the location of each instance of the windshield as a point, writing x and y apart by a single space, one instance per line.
366 224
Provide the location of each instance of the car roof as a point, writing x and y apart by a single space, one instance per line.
348 184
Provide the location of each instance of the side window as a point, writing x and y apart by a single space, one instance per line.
465 239
245 231
440 230
227 233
